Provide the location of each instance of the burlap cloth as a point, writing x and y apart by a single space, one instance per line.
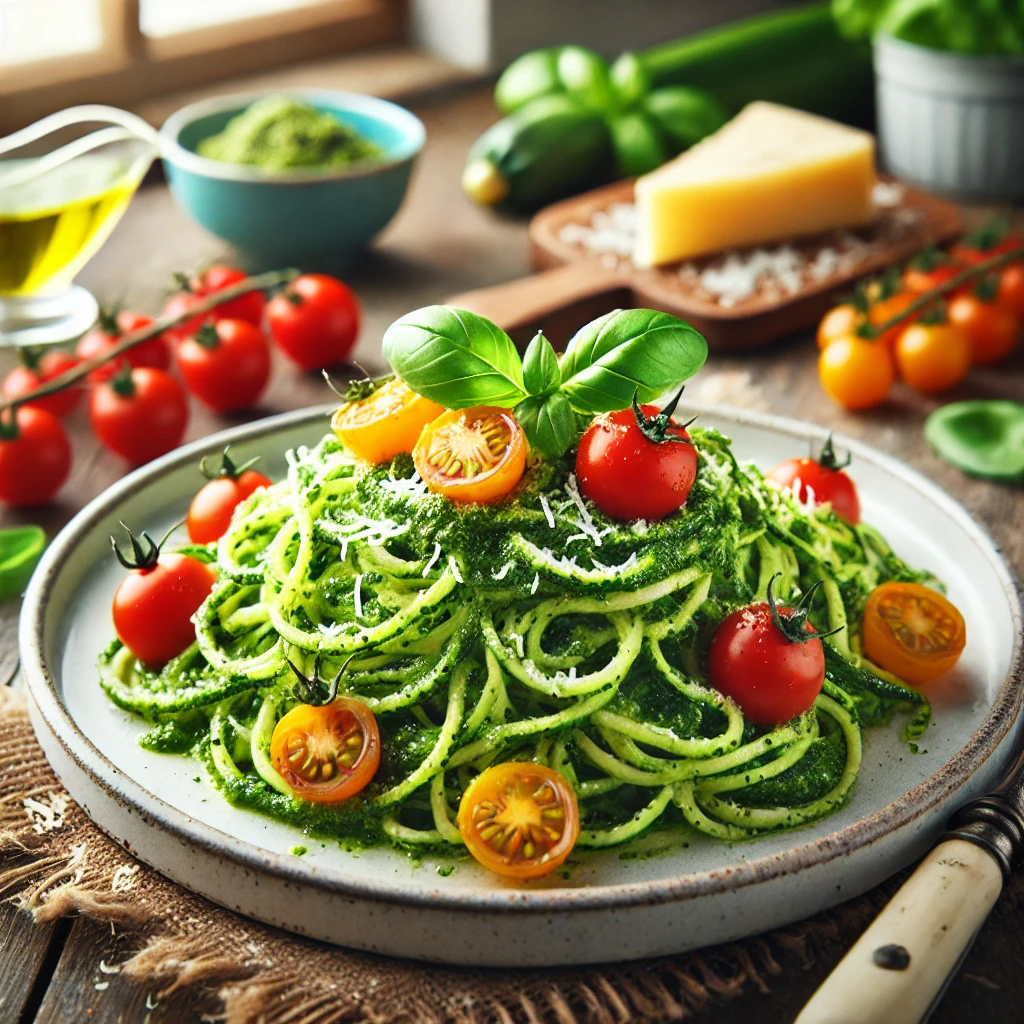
54 862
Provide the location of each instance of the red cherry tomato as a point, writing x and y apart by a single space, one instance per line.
35 464
23 379
630 476
821 481
209 515
139 415
991 327
315 321
248 307
1011 289
156 352
154 605
226 365
771 676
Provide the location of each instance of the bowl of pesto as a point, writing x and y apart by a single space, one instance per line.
309 177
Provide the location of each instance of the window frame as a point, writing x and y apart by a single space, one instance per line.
129 67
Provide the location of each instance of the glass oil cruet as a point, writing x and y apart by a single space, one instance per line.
59 200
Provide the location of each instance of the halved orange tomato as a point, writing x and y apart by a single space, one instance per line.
386 423
519 819
472 455
326 754
912 631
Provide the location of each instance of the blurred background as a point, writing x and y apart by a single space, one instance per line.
54 53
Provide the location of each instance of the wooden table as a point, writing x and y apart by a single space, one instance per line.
438 246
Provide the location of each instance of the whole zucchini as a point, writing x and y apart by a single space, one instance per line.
796 57
550 148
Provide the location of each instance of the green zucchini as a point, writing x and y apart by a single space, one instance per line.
527 77
552 147
796 57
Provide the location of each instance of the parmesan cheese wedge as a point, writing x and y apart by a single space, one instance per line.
770 174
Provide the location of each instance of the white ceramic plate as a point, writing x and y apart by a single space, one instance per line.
612 908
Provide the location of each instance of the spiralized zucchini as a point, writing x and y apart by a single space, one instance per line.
535 631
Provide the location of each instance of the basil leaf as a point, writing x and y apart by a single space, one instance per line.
20 549
540 367
455 358
629 352
549 423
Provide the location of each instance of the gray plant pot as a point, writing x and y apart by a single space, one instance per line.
951 122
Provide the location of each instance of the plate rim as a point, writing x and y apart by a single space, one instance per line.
117 785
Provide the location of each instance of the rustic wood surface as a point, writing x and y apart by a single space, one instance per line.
438 246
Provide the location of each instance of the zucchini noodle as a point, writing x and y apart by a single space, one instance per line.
538 630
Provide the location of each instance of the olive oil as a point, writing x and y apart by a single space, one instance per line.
51 225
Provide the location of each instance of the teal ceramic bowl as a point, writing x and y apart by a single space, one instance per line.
305 217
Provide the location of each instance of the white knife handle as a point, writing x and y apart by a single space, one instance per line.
900 964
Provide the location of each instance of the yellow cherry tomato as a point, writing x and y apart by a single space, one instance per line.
519 819
326 754
912 631
855 372
933 357
472 455
837 322
386 423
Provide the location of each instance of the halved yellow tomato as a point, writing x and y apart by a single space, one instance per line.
519 819
912 631
386 423
472 455
326 754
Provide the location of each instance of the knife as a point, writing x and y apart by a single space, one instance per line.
898 969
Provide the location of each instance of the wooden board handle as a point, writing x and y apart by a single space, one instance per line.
900 964
529 299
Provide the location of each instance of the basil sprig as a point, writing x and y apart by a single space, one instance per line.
459 359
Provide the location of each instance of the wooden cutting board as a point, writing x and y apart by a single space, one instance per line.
579 249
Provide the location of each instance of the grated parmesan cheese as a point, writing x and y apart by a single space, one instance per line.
547 511
503 571
454 566
586 521
357 596
433 559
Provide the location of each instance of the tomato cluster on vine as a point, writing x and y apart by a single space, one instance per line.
961 317
138 402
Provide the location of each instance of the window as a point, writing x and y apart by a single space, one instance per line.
73 26
56 53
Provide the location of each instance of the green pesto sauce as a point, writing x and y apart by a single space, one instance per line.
278 133
355 823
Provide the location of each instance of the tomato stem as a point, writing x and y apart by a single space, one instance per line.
358 390
182 282
9 425
792 625
828 458
122 383
207 336
928 297
30 357
144 555
227 467
656 428
107 320
313 687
